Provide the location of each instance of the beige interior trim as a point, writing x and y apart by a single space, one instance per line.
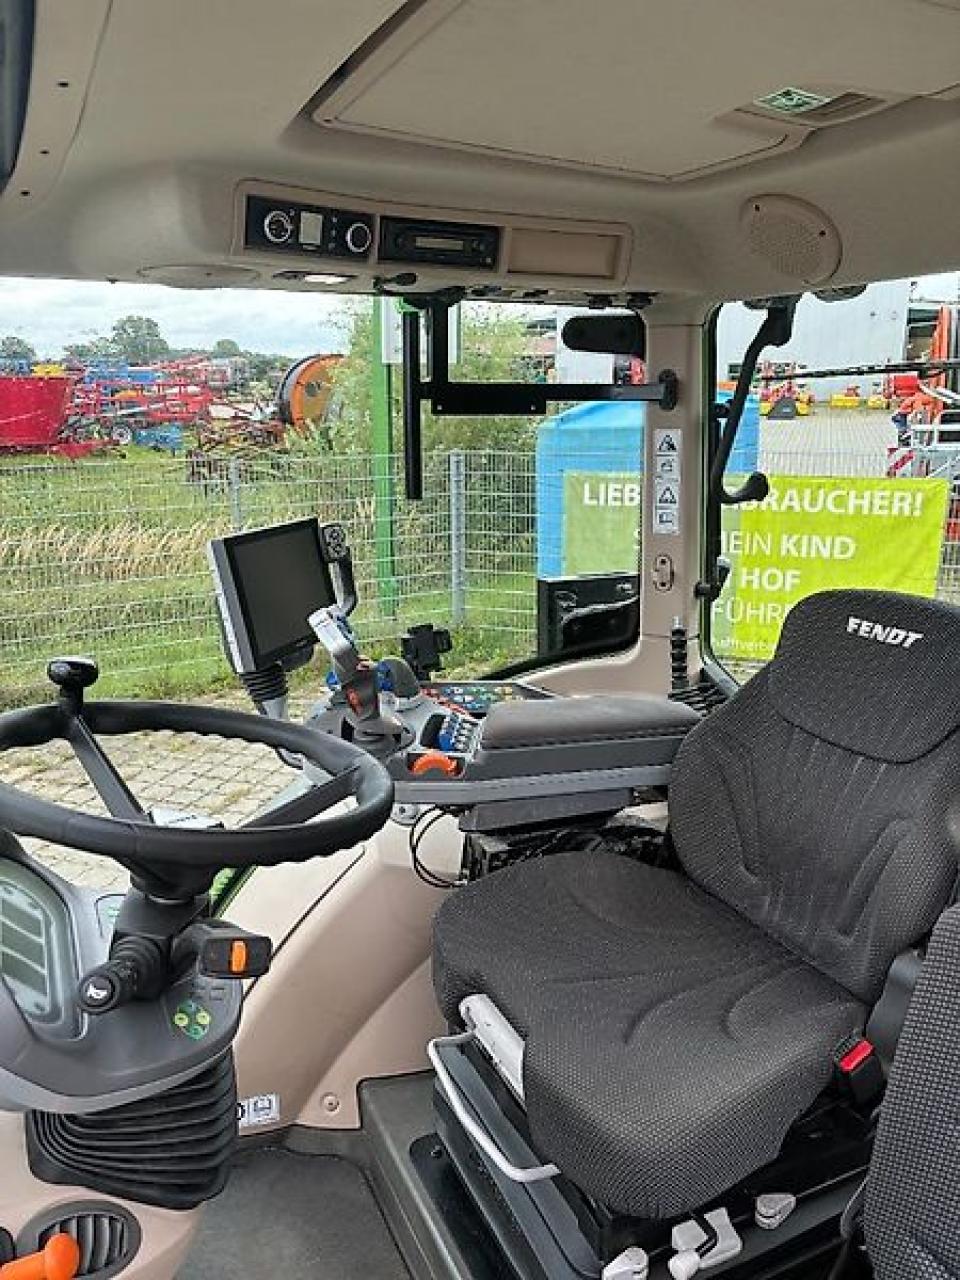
705 110
167 1233
350 976
675 342
391 1042
66 42
141 180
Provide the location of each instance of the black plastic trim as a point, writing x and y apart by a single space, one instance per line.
17 20
172 1150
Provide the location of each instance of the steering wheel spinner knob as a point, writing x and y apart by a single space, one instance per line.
78 671
72 675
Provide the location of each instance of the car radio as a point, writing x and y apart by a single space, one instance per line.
440 243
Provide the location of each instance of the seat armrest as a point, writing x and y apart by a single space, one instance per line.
566 721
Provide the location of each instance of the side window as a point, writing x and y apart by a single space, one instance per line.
863 460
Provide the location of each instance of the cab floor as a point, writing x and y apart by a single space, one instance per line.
293 1215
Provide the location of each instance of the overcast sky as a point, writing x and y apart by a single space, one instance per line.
50 313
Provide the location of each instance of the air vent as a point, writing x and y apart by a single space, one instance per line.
171 1150
108 1236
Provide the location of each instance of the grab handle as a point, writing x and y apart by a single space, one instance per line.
535 1173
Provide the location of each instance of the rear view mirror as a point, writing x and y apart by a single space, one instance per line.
624 334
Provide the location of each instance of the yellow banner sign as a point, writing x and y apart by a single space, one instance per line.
812 533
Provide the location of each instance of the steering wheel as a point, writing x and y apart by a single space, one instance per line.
185 859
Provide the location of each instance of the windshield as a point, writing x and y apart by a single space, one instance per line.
858 430
138 422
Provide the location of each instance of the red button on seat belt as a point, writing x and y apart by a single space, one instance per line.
855 1057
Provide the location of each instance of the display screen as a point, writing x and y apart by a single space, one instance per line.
311 227
35 949
280 579
440 242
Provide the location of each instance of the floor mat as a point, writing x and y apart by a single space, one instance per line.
295 1216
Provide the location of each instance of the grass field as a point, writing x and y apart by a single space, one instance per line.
109 557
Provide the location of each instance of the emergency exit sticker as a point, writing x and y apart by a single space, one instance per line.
666 480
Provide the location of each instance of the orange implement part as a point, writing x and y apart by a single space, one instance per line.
434 762
59 1259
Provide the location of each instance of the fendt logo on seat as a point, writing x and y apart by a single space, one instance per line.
883 635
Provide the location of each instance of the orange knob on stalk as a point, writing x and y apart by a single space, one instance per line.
59 1259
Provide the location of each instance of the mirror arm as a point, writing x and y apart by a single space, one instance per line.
775 331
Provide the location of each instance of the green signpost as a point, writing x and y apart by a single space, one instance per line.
384 488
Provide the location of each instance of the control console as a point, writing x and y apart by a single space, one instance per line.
501 753
293 227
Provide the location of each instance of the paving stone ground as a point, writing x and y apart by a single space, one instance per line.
226 780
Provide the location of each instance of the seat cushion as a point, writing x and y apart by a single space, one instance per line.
670 1044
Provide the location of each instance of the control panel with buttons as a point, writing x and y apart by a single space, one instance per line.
457 733
291 227
478 696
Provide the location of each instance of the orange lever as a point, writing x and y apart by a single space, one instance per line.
432 761
59 1259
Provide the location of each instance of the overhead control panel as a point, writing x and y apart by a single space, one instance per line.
293 227
496 254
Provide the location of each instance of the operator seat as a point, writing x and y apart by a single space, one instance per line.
677 1023
912 1202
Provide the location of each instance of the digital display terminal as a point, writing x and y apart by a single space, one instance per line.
268 582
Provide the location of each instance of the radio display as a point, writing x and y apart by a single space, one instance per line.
440 242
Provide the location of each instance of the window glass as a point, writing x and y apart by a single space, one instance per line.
863 460
137 422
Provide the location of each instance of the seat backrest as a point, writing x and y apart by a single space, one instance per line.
912 1203
823 801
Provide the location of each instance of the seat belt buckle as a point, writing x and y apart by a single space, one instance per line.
858 1070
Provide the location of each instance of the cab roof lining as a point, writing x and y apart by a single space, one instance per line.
174 105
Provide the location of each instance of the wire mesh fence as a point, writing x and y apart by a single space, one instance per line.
110 557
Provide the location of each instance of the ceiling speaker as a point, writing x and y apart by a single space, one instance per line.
795 238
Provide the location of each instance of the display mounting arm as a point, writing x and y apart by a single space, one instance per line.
486 399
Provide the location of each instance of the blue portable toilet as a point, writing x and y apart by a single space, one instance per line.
596 437
746 448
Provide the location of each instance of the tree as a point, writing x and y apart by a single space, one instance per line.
224 348
13 347
492 347
138 339
99 348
